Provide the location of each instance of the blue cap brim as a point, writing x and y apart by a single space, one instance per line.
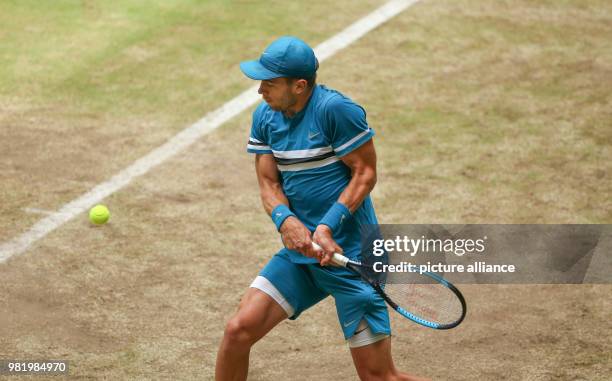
255 70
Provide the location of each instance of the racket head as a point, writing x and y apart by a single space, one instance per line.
425 298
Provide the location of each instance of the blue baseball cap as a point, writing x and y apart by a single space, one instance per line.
286 57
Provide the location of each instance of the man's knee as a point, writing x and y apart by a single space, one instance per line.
375 372
240 331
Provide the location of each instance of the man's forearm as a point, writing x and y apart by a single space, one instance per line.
272 195
294 234
358 188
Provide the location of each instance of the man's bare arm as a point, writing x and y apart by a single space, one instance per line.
362 163
294 234
270 188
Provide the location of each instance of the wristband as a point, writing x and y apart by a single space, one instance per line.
335 216
280 214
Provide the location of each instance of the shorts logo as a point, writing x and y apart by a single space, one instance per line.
349 323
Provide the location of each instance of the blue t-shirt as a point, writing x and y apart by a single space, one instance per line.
307 149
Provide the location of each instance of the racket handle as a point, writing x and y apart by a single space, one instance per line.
338 259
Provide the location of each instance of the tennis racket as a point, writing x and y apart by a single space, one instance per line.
426 298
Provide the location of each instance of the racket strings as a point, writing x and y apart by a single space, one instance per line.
434 302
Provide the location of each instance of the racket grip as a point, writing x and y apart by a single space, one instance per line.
338 259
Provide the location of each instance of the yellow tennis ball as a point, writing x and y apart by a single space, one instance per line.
99 214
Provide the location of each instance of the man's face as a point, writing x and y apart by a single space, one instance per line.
279 93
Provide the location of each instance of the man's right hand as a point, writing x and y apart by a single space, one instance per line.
298 238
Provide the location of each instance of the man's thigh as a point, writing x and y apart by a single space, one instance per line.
258 313
290 284
374 358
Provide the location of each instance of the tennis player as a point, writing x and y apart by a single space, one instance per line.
316 166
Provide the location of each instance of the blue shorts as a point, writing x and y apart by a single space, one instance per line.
304 285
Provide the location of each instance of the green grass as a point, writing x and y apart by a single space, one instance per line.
500 113
138 57
485 111
92 86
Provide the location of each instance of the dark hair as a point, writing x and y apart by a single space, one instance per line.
310 82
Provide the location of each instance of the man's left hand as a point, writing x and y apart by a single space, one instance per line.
323 237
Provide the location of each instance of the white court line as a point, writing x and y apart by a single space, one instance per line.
38 211
188 136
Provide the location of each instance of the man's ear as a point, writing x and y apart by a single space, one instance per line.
300 85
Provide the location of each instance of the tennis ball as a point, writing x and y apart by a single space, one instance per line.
99 214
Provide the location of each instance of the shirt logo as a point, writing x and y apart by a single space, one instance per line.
278 214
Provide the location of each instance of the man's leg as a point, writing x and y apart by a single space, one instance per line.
374 363
257 314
